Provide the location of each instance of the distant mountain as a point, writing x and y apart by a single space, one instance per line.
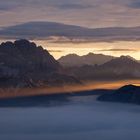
72 60
23 64
126 94
43 30
123 67
121 61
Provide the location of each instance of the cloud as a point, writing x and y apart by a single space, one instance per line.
119 50
55 51
74 6
135 4
4 8
89 13
9 5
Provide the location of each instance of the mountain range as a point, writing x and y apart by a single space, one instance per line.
24 64
92 59
44 30
123 67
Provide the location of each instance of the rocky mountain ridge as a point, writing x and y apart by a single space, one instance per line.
24 64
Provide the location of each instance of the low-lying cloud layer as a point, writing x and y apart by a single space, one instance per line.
81 118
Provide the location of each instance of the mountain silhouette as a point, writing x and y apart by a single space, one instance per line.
126 94
23 64
72 60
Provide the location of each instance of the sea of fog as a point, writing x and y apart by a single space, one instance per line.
80 118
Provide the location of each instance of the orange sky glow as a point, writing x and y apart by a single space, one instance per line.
109 48
117 48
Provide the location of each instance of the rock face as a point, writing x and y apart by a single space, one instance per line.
22 63
23 53
126 94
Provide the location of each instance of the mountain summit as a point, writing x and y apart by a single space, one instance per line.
23 63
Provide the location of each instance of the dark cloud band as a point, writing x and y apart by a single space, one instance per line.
118 50
74 6
135 4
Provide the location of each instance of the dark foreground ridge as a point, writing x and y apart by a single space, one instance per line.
126 94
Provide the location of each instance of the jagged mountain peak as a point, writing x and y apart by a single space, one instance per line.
23 63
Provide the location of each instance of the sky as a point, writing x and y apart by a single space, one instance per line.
89 13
